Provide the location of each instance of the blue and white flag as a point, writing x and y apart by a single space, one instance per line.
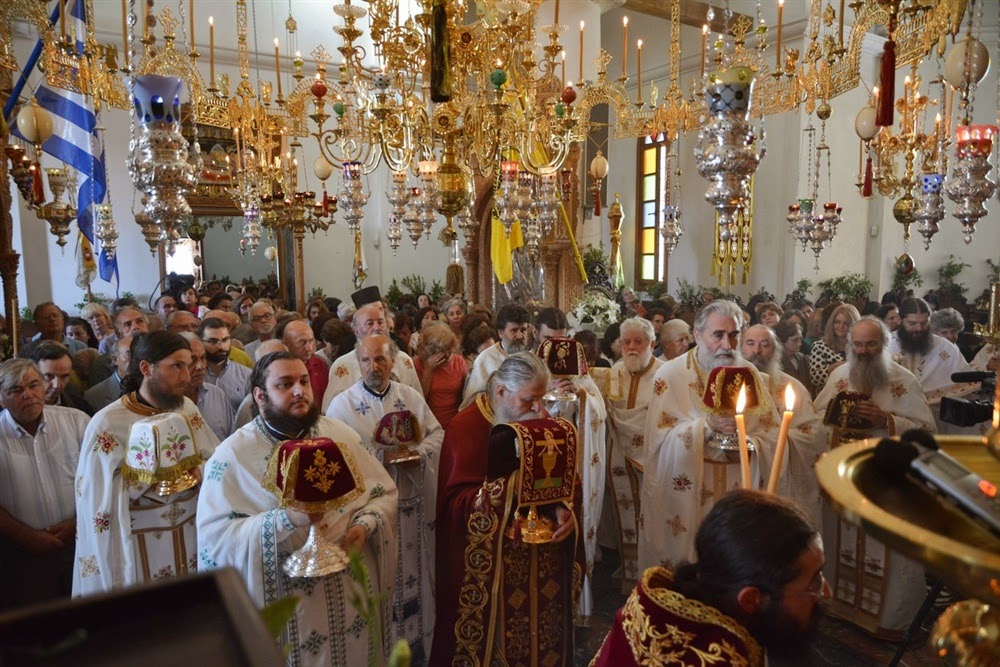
75 141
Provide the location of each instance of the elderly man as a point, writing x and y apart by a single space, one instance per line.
675 339
368 321
180 321
483 574
262 321
628 394
879 592
227 375
56 365
512 325
39 452
807 439
51 323
109 390
689 465
130 533
300 340
241 525
389 416
211 400
164 305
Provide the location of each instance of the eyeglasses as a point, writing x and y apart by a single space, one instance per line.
816 590
216 341
261 318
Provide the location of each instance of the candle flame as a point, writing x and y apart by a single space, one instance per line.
781 3
907 80
741 400
704 29
276 42
789 398
640 43
211 20
581 25
937 118
563 54
625 21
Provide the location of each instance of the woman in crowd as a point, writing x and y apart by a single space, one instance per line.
611 344
591 349
889 313
402 332
99 318
338 339
442 372
314 309
477 339
79 329
454 316
947 323
797 317
793 361
769 313
831 350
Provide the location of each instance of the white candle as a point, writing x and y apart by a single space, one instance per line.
211 51
777 52
277 65
704 47
779 452
639 68
581 51
741 430
624 43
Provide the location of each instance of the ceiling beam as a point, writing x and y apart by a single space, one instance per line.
693 12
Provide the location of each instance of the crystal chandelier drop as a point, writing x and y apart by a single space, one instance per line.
398 196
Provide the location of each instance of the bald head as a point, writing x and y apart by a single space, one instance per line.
180 321
269 346
376 356
231 319
299 338
370 320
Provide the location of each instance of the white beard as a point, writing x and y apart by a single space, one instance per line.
634 364
721 358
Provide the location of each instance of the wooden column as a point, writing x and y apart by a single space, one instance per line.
9 260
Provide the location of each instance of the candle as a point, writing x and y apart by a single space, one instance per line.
557 13
563 66
704 43
777 52
581 52
191 21
211 51
779 452
277 65
145 21
624 43
639 67
62 18
236 139
741 430
840 29
125 31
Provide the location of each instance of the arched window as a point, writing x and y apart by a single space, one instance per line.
650 198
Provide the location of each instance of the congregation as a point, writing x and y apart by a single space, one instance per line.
91 501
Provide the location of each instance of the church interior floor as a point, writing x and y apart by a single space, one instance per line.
838 643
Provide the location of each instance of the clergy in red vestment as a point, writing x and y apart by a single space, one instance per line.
500 599
757 586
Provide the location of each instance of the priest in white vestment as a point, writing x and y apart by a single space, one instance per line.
685 471
873 587
240 524
388 415
512 330
127 533
807 438
368 320
627 395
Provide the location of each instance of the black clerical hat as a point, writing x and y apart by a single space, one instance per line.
365 296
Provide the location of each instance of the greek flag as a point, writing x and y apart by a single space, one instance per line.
75 142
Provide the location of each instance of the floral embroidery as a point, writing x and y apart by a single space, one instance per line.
197 422
659 386
322 472
88 567
595 459
618 471
340 371
897 390
106 443
638 441
687 437
682 483
841 385
102 522
944 355
164 572
399 404
767 422
313 643
407 363
805 429
666 421
216 470
377 492
362 409
176 444
676 525
206 561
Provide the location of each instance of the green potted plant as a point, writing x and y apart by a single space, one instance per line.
853 288
951 293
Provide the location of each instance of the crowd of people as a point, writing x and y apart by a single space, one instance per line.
90 503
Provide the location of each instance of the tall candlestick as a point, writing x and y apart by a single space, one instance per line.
624 43
277 65
779 452
557 13
639 68
777 51
704 47
581 53
211 51
125 31
191 21
741 431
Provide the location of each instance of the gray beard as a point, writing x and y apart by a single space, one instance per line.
709 362
914 343
772 367
866 374
515 347
636 364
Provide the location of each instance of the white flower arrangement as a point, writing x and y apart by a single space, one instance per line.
594 311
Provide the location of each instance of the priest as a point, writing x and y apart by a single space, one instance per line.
241 526
688 464
512 324
397 427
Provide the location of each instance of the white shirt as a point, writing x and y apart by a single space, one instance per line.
234 380
37 471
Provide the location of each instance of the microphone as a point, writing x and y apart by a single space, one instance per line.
974 496
972 376
921 437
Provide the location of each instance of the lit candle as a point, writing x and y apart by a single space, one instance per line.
639 68
563 66
581 52
704 47
779 452
937 127
624 43
191 21
777 52
557 13
211 51
125 31
236 139
741 430
277 65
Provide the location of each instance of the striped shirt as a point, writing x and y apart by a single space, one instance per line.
217 410
37 471
234 380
